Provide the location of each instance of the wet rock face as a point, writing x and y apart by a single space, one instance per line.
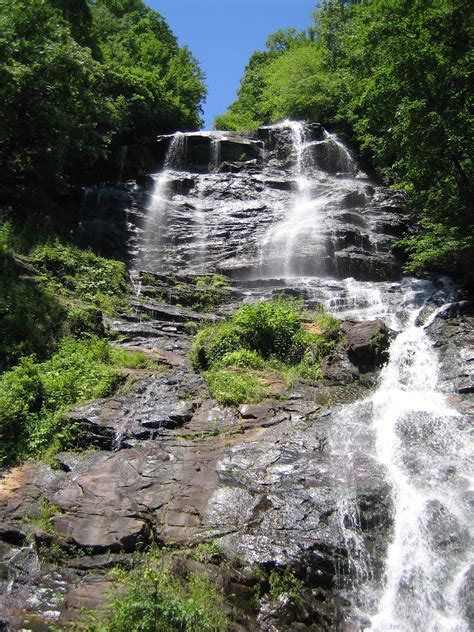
367 343
227 195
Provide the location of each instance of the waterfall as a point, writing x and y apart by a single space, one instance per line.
424 449
311 221
420 445
154 229
215 153
304 215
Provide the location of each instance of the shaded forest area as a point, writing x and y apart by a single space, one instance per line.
78 80
394 78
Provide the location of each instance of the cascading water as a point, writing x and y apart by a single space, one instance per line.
423 447
156 218
304 216
325 231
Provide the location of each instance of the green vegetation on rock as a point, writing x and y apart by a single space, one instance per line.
154 600
394 77
269 337
54 353
201 293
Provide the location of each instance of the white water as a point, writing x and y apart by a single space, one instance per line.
425 452
155 224
304 216
419 442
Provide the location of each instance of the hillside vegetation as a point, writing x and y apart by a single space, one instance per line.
394 77
79 79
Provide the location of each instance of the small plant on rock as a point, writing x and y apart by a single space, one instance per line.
269 337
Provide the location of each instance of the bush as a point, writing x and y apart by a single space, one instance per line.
31 318
155 601
212 343
232 388
34 396
263 337
84 322
270 328
242 358
82 274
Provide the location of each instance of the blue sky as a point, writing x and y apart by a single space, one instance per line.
222 34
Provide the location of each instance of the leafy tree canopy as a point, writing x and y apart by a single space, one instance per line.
77 80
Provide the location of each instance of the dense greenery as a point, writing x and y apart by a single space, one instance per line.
53 349
261 338
52 290
79 79
33 396
395 77
156 601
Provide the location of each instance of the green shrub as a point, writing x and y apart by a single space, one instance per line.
84 322
31 318
212 343
34 396
155 601
263 337
282 582
134 360
207 552
82 274
270 327
232 388
242 358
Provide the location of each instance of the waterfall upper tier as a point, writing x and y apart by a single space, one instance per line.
288 200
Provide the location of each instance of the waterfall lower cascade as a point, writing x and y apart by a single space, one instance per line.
378 489
425 451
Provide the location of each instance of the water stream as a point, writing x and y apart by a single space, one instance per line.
406 430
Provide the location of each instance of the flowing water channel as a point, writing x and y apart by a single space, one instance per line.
322 231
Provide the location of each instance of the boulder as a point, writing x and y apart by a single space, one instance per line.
366 343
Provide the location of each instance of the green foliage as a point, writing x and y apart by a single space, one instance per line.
81 274
212 343
396 78
232 387
242 358
47 511
271 328
134 360
55 291
200 293
31 318
262 338
154 601
207 552
34 396
127 80
283 582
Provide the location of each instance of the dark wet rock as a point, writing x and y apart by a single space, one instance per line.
257 411
366 343
150 403
93 594
164 311
99 533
